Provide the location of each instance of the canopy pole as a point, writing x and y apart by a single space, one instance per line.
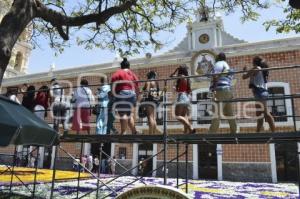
79 170
35 170
165 136
53 172
177 165
12 171
98 170
186 168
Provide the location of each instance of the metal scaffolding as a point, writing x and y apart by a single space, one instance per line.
165 139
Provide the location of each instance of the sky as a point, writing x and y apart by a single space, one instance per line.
76 56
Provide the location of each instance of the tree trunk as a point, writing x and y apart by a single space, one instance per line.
12 25
23 12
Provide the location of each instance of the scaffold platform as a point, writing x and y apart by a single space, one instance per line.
242 138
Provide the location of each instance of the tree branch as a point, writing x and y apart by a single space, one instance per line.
58 20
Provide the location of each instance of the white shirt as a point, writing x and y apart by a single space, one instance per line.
258 80
220 67
57 92
76 161
223 80
14 98
96 161
83 97
90 159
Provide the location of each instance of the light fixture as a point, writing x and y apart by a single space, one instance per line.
52 67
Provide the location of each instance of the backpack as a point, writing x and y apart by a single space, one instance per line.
142 110
265 72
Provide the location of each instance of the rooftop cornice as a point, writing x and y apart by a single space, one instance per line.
159 60
169 58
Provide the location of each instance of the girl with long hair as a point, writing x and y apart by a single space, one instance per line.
258 80
29 99
151 93
42 102
183 89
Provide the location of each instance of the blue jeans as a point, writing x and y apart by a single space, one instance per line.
183 99
110 122
101 123
260 93
125 100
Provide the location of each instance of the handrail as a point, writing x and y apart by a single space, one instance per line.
174 78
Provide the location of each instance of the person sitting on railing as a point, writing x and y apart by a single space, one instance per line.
258 80
221 87
151 100
83 99
42 102
29 98
183 89
125 89
103 99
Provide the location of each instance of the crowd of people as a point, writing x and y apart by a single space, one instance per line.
121 94
107 166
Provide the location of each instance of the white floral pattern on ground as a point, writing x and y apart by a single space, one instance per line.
197 188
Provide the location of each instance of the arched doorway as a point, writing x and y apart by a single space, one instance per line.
145 151
95 152
207 161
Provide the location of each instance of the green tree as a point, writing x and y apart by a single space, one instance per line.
289 24
123 25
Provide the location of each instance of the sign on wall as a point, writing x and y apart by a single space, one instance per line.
203 63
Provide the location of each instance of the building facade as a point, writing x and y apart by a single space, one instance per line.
204 39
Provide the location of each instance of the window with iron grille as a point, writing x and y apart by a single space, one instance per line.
160 108
277 106
204 108
122 153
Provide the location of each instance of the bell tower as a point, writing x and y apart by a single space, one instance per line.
206 32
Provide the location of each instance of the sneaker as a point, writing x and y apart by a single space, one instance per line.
65 133
136 132
193 131
114 131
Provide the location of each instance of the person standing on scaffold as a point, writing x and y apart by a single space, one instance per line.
103 100
221 87
151 99
183 89
126 90
258 80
